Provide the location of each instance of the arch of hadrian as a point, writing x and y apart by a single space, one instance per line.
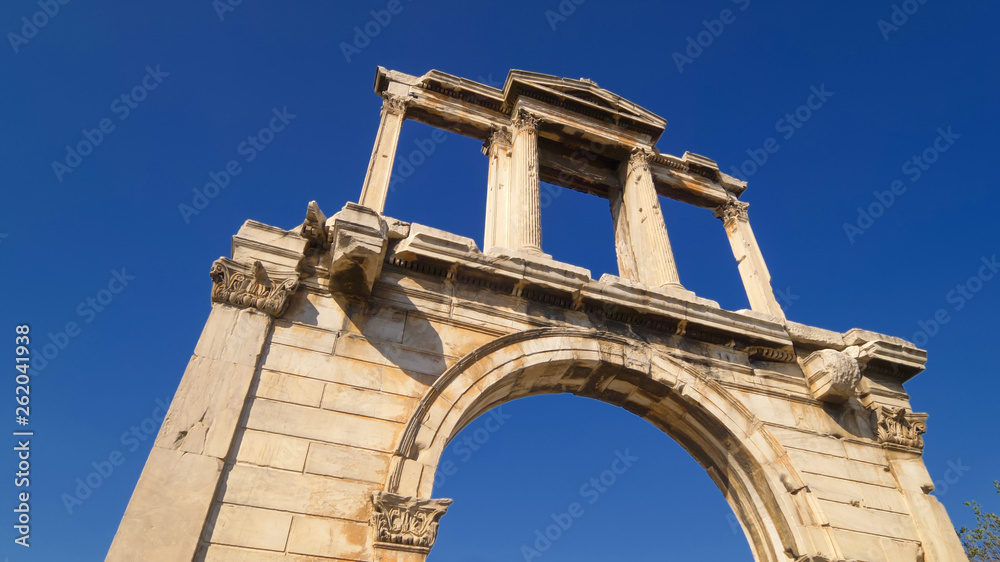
341 356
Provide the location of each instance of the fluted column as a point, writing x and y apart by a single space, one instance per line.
753 270
646 229
498 149
525 215
376 184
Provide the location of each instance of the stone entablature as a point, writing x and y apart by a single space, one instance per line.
341 356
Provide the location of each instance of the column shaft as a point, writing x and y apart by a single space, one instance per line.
654 259
623 241
376 185
498 149
753 270
525 215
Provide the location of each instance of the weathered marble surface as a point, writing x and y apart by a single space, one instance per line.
312 415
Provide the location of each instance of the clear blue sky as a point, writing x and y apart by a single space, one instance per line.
212 82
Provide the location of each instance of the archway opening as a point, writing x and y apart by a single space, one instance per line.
679 397
565 478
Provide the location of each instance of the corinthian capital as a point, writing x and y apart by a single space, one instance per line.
499 137
524 121
638 160
732 210
899 427
406 523
251 287
394 104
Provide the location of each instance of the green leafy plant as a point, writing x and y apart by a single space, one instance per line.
982 543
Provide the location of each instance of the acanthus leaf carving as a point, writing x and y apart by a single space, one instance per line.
233 284
639 160
732 210
500 137
524 121
394 104
406 523
899 427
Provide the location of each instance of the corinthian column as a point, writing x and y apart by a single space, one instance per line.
525 215
376 185
498 149
753 270
644 229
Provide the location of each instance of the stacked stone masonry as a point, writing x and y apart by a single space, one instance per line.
341 356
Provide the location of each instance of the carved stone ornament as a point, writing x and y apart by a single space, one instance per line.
896 426
358 241
406 523
524 121
639 159
314 229
233 284
394 104
732 210
499 137
833 376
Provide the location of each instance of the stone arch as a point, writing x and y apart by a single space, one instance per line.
745 461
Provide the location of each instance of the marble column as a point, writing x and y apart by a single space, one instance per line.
498 149
525 215
639 209
376 185
753 270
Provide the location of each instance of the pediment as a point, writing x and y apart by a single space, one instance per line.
582 94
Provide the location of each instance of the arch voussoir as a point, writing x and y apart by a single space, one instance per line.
722 434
